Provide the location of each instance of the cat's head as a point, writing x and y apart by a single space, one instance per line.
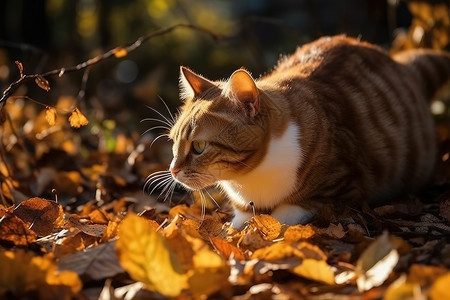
218 134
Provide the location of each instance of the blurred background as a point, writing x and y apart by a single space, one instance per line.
49 34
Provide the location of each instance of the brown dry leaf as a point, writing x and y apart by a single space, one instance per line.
77 119
23 272
146 256
40 214
50 115
20 67
15 231
268 226
110 232
299 232
376 263
317 270
42 83
226 249
120 52
98 262
440 288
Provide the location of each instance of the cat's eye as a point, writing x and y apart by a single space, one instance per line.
198 146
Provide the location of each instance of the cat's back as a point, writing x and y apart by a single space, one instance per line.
329 55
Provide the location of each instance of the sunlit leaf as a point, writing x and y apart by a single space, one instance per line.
50 115
40 214
299 232
226 249
317 270
42 83
440 288
402 290
269 227
376 263
23 272
16 231
145 255
77 119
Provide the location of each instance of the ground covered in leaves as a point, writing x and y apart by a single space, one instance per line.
90 231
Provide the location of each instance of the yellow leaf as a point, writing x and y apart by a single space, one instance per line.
269 227
145 255
210 272
77 119
50 115
439 289
120 52
401 289
23 272
317 270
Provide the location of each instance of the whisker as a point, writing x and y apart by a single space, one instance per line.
162 116
168 110
169 192
156 120
156 127
154 177
157 138
213 200
203 206
167 180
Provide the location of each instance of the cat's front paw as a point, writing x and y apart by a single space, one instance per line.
290 214
239 219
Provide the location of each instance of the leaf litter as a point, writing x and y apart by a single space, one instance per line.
75 224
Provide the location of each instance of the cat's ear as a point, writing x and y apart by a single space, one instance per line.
243 88
192 84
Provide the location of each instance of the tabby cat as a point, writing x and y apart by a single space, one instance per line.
339 121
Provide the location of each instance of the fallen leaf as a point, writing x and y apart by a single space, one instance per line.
40 214
376 263
98 262
440 288
317 270
77 119
401 289
226 249
23 272
268 226
15 231
145 255
299 232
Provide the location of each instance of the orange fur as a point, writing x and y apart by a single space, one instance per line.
357 120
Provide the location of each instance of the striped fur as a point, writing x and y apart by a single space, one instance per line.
362 122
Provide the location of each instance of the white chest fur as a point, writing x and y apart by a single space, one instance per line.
274 178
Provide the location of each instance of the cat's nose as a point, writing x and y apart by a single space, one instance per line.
174 171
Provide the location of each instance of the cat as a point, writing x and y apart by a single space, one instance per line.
339 121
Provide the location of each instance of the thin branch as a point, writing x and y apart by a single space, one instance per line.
95 60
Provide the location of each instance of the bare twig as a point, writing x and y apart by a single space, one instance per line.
95 60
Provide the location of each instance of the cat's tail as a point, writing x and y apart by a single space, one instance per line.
432 68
